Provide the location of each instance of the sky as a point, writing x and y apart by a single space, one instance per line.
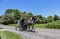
37 7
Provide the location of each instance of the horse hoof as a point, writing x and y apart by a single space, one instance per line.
33 31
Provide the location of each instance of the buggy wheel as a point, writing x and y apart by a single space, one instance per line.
16 28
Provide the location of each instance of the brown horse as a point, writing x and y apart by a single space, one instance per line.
31 22
24 24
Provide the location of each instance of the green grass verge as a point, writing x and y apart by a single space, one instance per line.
40 25
0 27
36 25
52 25
9 35
12 25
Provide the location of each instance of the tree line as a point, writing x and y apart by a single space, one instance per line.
11 15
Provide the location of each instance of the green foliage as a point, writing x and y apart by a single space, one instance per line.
39 21
11 15
7 18
9 11
29 14
39 17
23 15
40 25
12 25
0 16
49 19
16 14
0 27
53 25
56 17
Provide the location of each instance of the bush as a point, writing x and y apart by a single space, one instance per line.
41 21
40 25
54 25
56 17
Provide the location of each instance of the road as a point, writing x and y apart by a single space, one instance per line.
39 34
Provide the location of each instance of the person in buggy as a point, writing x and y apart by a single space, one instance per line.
21 25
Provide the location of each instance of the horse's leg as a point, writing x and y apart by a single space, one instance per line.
33 28
28 27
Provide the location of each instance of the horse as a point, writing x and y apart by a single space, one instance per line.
24 24
31 22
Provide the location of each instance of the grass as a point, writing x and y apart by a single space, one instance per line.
52 25
12 25
0 27
36 25
9 35
40 25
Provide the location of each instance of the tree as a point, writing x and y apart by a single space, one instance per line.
29 14
0 16
39 17
56 17
9 11
0 19
7 18
23 15
10 16
49 19
14 12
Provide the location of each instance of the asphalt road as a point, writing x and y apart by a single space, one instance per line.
39 34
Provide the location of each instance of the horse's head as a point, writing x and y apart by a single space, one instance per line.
34 18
